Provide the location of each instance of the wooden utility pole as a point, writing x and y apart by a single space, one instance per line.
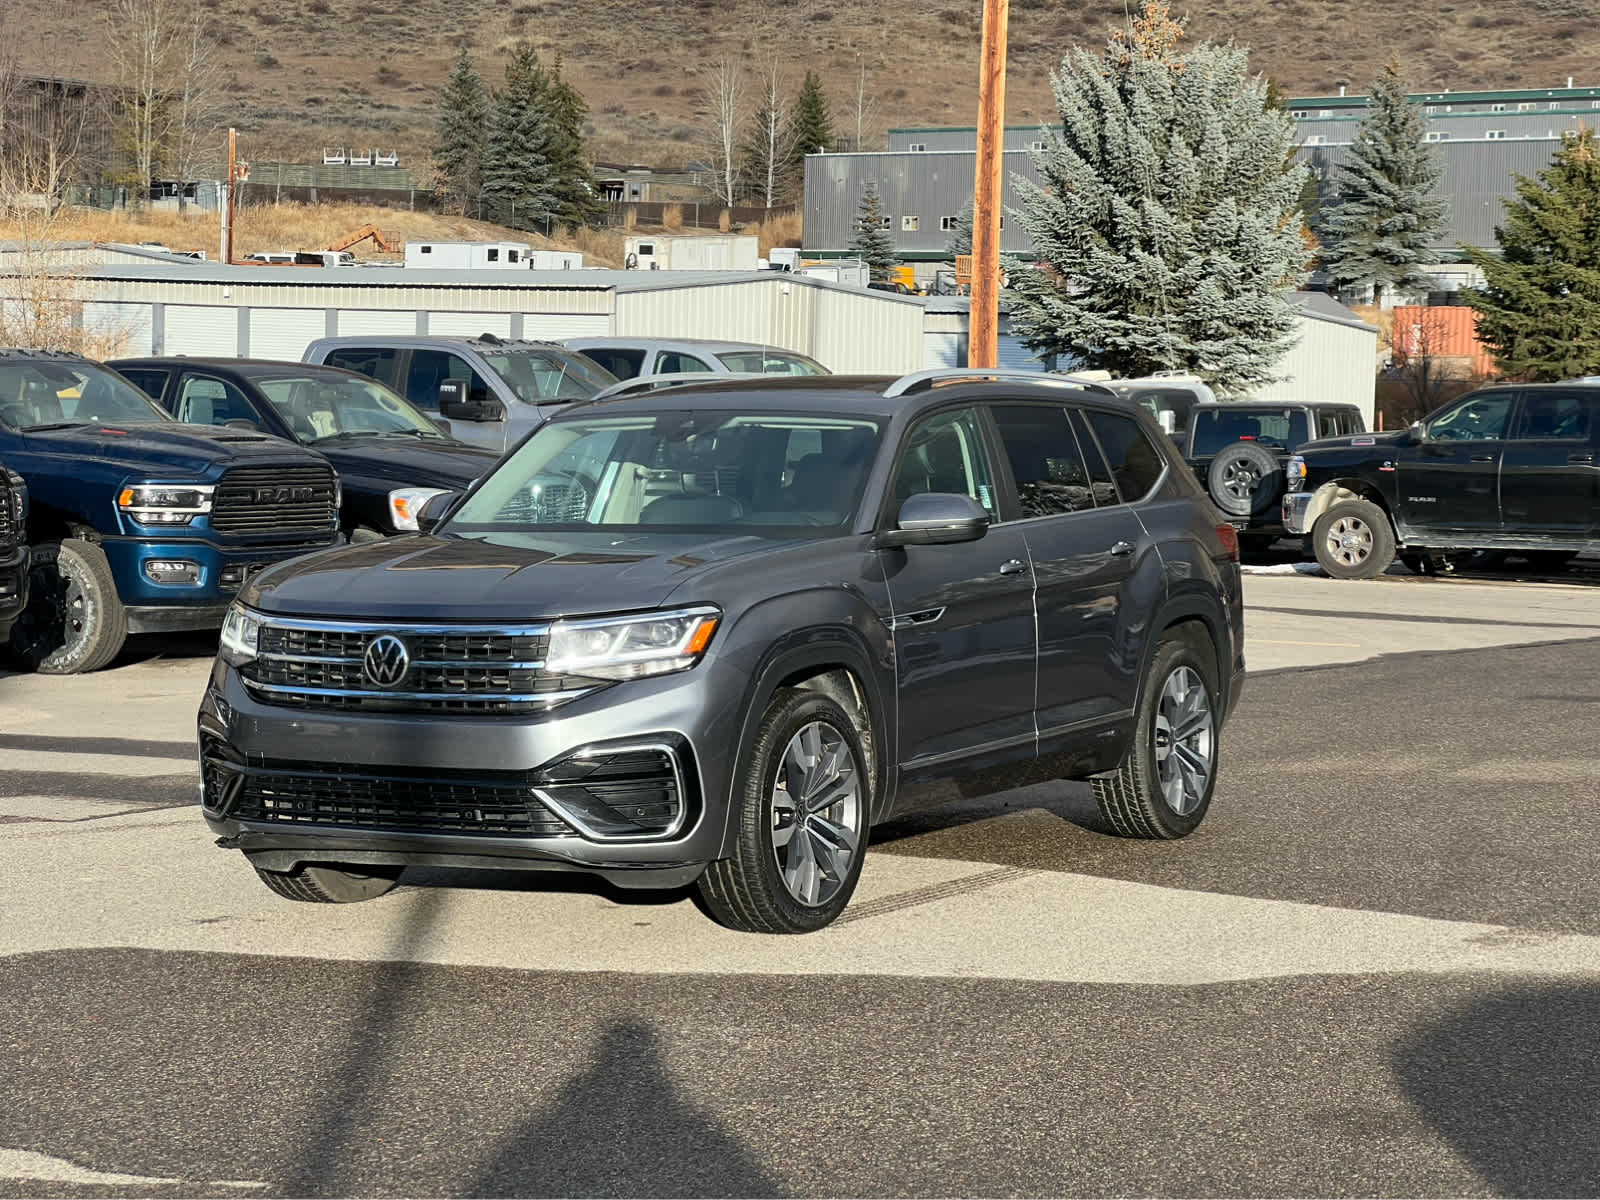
983 339
227 208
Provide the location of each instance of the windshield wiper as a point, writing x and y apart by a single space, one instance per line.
347 435
416 433
52 425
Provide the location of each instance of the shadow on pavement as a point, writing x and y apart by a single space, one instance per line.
1509 1081
624 1127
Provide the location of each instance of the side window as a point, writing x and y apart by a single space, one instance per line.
1556 414
1327 424
944 453
1353 423
624 364
149 381
1481 416
1101 483
430 368
671 363
1046 460
1135 464
204 400
375 362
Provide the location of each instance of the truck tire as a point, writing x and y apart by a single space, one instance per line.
1353 540
1245 480
1163 787
314 883
74 621
1549 560
801 814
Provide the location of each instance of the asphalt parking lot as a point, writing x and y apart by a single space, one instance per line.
1375 969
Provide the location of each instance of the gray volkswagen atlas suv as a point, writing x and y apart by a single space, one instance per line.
714 634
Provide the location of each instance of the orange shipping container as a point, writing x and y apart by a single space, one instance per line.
1446 331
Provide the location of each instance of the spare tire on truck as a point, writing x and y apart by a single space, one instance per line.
1246 480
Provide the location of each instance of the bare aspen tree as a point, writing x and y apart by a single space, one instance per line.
772 141
197 115
865 106
723 113
145 41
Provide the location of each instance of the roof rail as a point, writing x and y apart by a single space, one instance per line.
920 381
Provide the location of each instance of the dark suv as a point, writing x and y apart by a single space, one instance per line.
1508 470
1238 450
716 633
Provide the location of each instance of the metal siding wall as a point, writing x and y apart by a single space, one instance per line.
1014 356
373 321
1331 363
554 327
127 328
284 333
457 324
858 333
741 312
944 350
198 330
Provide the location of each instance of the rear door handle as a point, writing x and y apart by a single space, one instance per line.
1483 458
1580 458
1013 566
1122 549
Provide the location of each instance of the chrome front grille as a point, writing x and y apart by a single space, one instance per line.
324 664
276 500
10 517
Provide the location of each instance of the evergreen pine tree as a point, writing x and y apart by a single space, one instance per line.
1539 312
577 197
460 133
518 184
1165 225
811 126
1382 227
961 233
870 241
768 158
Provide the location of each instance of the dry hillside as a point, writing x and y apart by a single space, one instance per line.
309 73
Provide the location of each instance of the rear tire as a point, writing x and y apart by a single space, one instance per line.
74 621
801 813
1164 785
1353 540
1245 479
314 883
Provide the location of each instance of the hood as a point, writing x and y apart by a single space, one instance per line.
529 577
1357 441
165 447
407 462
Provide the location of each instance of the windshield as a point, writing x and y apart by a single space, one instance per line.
745 472
536 376
316 407
771 362
45 394
1216 429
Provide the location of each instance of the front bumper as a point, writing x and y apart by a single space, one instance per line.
1296 506
164 607
289 785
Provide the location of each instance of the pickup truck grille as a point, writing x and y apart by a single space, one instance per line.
276 500
317 664
10 518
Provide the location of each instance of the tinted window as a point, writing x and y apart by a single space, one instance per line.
1554 413
151 382
672 363
206 400
1215 429
1100 480
624 364
430 368
1327 424
944 453
1046 460
1478 417
375 362
1135 463
1351 422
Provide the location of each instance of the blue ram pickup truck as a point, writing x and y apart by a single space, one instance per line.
139 523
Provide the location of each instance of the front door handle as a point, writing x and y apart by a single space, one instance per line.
1580 459
1122 549
1483 458
1013 566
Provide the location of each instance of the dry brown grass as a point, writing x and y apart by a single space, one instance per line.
672 217
781 230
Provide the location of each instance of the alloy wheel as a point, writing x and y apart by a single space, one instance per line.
1184 741
1240 478
816 813
1350 541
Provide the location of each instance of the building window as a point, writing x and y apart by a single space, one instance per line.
886 223
1494 135
1526 107
1449 108
494 255
1430 109
910 224
918 147
1436 137
946 224
1299 116
1555 105
1497 108
1036 146
1315 140
1325 112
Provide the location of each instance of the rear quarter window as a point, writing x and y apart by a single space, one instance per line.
1135 463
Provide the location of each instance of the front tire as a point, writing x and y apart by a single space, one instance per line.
74 621
802 809
1163 787
1353 540
313 883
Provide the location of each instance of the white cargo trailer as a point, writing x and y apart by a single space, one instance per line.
713 252
469 256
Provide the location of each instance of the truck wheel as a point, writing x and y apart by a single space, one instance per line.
74 621
1163 787
1549 560
1353 540
1245 480
801 810
327 884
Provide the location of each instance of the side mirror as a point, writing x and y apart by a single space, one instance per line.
454 404
1416 435
936 519
435 510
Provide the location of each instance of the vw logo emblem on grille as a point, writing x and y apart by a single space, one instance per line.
387 660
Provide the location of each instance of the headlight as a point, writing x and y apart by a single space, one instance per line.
165 503
632 647
1295 472
406 503
241 635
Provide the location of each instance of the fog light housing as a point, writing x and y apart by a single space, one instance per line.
172 571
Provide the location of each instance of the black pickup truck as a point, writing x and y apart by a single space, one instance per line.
14 557
1513 468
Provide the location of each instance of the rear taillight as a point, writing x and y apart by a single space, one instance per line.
1230 541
